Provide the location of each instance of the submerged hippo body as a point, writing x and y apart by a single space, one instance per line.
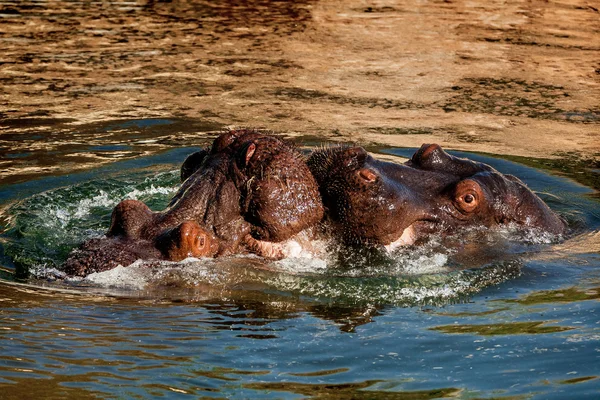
248 191
383 203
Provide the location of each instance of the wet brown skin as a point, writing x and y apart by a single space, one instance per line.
250 179
375 202
248 191
96 255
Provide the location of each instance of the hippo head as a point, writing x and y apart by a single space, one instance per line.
385 203
278 196
281 197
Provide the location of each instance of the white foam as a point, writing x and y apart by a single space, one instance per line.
302 265
303 255
426 289
135 194
305 276
377 292
64 218
529 235
133 276
425 264
43 272
140 274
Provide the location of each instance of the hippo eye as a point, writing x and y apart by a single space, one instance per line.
467 195
367 175
467 202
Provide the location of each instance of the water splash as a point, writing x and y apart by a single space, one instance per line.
46 227
223 278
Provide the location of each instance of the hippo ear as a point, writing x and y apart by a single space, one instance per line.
367 175
356 155
192 163
249 153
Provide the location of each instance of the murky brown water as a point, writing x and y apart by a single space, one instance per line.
519 77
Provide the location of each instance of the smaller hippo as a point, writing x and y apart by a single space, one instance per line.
375 202
101 254
248 192
266 190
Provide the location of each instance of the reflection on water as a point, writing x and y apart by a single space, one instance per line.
248 348
567 295
61 148
518 79
350 390
511 328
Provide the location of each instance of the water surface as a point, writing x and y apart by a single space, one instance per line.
517 316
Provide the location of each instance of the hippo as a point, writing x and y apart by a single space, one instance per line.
247 193
379 203
101 254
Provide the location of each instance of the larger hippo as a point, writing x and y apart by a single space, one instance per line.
248 192
383 203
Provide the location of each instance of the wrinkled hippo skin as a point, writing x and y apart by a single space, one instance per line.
248 191
375 202
101 254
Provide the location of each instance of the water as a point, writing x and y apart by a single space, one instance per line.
103 100
515 317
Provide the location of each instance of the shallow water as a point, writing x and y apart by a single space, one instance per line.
103 101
